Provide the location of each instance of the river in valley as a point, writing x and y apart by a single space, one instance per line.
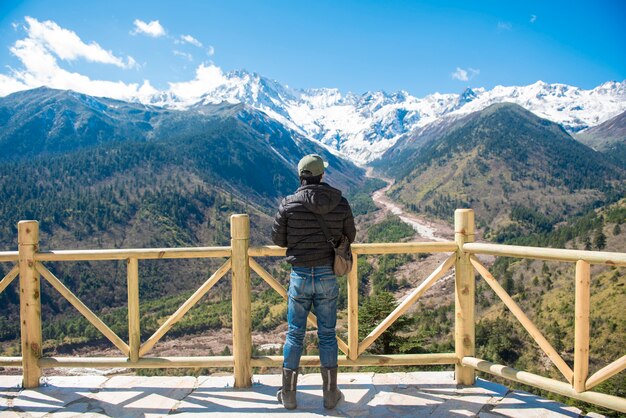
429 230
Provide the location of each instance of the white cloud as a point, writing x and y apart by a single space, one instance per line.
185 55
533 18
191 40
208 77
39 53
210 51
465 75
47 46
10 85
505 26
152 28
68 46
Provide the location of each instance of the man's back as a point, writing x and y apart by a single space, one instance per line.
297 228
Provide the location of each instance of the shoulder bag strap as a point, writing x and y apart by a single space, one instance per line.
325 230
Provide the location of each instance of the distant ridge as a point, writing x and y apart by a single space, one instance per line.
608 137
46 121
362 127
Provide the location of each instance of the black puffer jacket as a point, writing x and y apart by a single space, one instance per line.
296 228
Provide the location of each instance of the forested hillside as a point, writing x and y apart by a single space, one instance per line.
520 173
98 173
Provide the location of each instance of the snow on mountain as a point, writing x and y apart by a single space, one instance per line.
363 127
573 108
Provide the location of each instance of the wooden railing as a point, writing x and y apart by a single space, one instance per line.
240 259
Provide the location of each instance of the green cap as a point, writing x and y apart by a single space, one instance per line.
311 165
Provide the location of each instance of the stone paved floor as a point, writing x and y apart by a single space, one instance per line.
414 394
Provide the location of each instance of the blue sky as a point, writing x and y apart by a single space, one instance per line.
421 47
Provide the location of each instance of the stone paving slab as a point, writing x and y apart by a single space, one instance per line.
397 395
9 388
518 404
56 394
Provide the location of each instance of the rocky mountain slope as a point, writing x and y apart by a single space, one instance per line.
608 137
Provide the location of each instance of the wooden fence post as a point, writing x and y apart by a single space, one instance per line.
241 304
581 325
353 310
30 302
134 330
464 289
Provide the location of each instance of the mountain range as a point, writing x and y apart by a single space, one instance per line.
45 121
362 127
241 135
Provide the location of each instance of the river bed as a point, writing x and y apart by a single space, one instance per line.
426 229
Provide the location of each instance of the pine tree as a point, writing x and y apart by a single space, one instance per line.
374 310
509 285
600 239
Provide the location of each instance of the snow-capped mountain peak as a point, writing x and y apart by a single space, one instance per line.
362 127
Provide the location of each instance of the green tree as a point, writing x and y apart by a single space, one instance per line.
376 308
498 340
509 283
600 239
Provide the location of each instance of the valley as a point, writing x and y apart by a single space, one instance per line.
99 173
429 230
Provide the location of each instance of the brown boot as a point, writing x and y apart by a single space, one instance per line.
287 395
332 394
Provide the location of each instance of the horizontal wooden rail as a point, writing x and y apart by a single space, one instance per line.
11 275
7 256
370 248
552 254
145 362
267 251
139 253
10 362
562 388
404 247
365 360
227 361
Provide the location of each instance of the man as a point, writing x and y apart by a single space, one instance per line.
312 282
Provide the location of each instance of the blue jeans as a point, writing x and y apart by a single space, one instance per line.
317 287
